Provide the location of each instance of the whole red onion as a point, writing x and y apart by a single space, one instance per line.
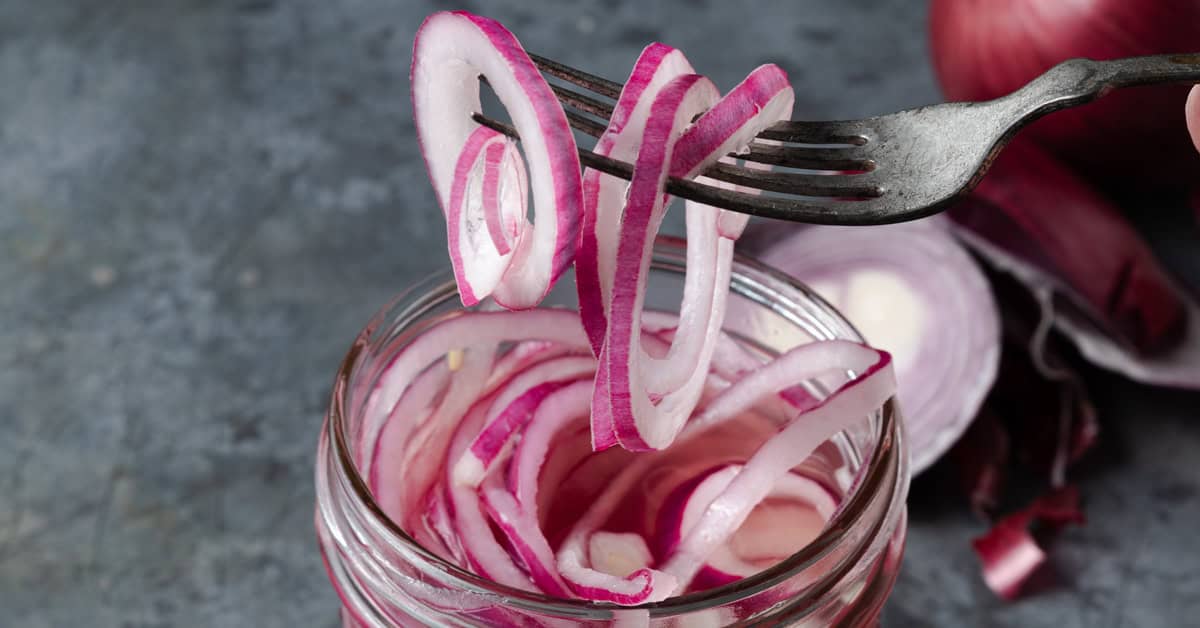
984 49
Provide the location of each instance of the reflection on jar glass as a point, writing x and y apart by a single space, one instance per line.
842 577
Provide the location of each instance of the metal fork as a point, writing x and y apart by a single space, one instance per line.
890 168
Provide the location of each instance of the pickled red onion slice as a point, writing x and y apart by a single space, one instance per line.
774 539
850 403
452 49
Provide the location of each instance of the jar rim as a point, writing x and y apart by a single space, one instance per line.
876 477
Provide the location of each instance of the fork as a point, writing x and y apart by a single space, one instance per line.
885 169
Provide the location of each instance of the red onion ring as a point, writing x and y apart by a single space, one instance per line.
603 195
844 407
689 502
625 387
503 223
514 407
451 51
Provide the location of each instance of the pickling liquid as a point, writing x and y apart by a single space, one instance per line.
658 495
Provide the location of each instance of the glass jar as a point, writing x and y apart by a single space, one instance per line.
385 578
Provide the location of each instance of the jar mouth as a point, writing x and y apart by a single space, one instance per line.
874 478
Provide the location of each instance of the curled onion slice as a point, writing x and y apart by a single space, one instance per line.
646 400
514 508
641 586
487 194
603 195
475 329
619 553
844 407
503 165
465 330
452 49
781 530
515 406
484 554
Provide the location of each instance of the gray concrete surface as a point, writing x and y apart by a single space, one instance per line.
202 201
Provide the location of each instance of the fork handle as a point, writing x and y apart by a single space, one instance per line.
1079 81
1132 71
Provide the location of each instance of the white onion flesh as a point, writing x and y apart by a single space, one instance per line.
912 290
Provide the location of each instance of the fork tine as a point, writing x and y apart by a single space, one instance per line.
582 102
806 132
850 158
794 131
847 212
576 120
793 209
582 123
845 186
833 132
591 82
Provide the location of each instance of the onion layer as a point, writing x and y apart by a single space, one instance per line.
643 400
450 52
792 514
1008 551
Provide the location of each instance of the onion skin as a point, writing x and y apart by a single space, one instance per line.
1033 207
1009 553
984 49
981 459
1038 422
1049 418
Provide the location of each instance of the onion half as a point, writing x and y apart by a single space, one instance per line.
1192 114
910 289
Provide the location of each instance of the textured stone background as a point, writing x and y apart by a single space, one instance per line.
202 201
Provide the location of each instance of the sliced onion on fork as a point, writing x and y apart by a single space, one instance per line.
647 398
452 50
507 394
